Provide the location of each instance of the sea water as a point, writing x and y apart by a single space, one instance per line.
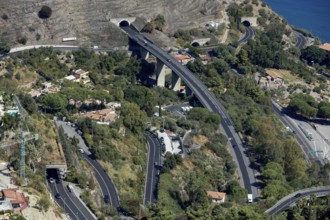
312 15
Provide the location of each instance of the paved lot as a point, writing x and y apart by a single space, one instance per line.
70 131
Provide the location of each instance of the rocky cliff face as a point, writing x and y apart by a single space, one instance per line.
88 20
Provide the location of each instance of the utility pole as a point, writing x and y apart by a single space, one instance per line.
21 140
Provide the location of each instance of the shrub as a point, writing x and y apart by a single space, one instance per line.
4 17
45 12
22 40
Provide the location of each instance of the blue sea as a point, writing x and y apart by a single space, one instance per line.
312 15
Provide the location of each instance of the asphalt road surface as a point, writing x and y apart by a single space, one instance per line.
298 134
301 40
207 99
153 170
68 201
106 184
293 197
249 33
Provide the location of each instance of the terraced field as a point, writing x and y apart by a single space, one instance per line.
88 20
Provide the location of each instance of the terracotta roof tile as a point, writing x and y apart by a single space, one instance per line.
216 195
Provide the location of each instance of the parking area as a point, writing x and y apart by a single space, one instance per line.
168 144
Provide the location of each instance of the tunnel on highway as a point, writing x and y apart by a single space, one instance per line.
124 23
52 173
195 44
246 23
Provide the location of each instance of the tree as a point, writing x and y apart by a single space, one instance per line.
4 47
313 54
45 12
133 118
43 204
148 28
324 110
53 102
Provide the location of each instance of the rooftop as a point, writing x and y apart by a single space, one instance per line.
216 195
325 47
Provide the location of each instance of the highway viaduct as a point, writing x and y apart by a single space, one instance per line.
207 99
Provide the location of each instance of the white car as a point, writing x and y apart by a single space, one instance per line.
51 180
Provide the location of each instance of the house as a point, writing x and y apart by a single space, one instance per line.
12 199
212 24
79 76
216 197
325 47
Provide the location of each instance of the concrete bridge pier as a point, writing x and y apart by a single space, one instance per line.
160 72
176 82
144 53
188 91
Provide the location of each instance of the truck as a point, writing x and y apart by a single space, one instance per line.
70 188
250 198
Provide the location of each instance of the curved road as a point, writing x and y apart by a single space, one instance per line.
152 177
249 33
106 184
70 203
293 197
208 100
299 135
301 40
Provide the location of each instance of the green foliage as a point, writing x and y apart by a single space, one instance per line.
28 103
133 118
183 35
53 102
315 55
304 104
22 40
45 12
44 61
43 203
171 161
68 148
236 191
4 46
148 28
273 174
16 217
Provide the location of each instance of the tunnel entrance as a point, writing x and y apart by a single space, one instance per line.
124 23
246 23
195 44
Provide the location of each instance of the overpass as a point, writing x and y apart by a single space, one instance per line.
206 98
293 197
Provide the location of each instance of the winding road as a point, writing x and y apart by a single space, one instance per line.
301 40
152 177
106 184
208 100
293 197
249 33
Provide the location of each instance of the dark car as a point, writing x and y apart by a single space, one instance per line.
57 195
106 199
297 195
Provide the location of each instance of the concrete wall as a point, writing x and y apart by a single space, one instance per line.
117 21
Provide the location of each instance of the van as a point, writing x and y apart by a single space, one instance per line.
250 198
70 188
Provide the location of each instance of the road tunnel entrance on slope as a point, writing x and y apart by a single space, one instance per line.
195 44
123 23
246 23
